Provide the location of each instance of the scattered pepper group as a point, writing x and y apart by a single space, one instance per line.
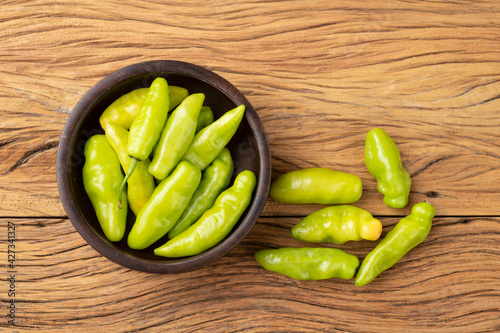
344 222
175 168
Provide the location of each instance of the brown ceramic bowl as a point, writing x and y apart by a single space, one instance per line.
249 149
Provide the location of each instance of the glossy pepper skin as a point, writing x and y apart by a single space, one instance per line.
316 186
176 95
123 110
337 225
205 118
166 205
408 233
216 223
210 141
102 176
383 160
176 136
141 184
214 180
309 263
147 125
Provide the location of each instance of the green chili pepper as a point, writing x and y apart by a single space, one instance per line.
408 233
205 118
147 126
102 176
141 184
337 225
216 223
210 141
176 95
123 110
383 160
215 179
316 186
309 263
165 207
176 136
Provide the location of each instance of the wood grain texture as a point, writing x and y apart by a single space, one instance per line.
450 281
320 74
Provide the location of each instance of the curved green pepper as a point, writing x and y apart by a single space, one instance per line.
102 176
147 126
408 233
176 95
210 141
166 205
316 186
123 110
383 160
337 225
216 223
176 136
309 263
214 180
141 184
205 118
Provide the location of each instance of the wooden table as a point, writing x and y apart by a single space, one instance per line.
320 74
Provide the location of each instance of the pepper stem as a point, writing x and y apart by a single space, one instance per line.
131 168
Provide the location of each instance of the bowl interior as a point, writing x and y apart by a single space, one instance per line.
248 147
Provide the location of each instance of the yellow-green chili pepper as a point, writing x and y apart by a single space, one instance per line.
176 95
337 225
141 184
408 233
214 180
309 263
165 207
210 141
205 118
316 186
216 223
147 125
383 160
102 176
176 136
123 110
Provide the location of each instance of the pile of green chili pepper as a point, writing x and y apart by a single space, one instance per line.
172 169
344 222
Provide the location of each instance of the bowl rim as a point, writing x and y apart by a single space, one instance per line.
75 120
